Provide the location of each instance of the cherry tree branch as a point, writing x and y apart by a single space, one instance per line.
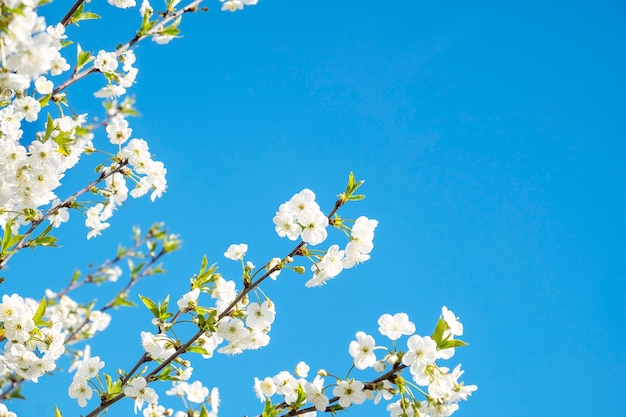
66 19
191 7
388 376
227 311
24 241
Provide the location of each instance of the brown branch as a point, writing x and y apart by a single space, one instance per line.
183 348
23 242
66 19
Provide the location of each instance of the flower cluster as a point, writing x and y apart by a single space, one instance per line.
301 217
195 393
443 389
357 250
29 48
30 175
33 343
118 81
79 389
37 334
76 318
247 332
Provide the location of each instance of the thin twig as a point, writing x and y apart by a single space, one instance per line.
23 242
66 19
183 348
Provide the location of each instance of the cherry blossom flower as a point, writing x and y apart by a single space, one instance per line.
236 252
260 316
196 393
395 326
80 390
362 350
349 392
264 388
139 391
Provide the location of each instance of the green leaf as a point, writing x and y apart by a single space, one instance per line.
151 305
83 57
41 310
350 182
451 343
352 186
114 386
43 101
16 394
134 271
49 127
269 410
63 139
170 31
123 301
163 308
87 16
439 330
57 412
197 349
204 412
356 197
46 241
77 13
146 24
8 239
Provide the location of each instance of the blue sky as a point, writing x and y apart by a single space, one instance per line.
490 136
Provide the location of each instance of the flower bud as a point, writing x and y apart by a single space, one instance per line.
299 269
379 366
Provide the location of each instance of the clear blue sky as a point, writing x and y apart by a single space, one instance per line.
491 137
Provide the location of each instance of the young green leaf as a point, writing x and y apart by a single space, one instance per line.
151 305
